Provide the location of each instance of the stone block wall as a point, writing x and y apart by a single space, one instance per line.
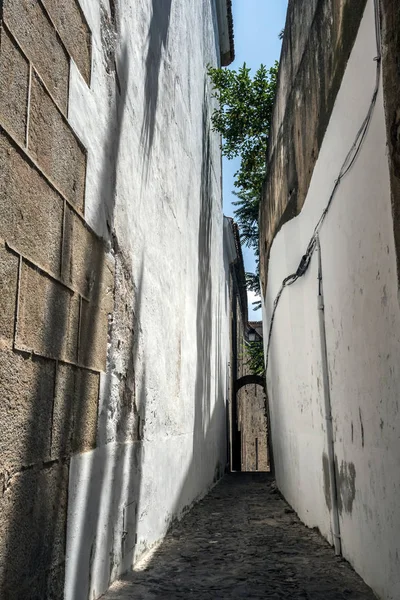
56 292
252 422
253 428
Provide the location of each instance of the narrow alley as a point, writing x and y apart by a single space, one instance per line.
242 541
199 283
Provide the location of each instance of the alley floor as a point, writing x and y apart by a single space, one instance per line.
242 541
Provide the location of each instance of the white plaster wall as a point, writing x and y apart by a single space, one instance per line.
154 180
363 330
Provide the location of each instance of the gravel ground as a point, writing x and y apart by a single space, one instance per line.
242 541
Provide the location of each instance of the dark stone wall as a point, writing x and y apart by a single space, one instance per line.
391 88
319 36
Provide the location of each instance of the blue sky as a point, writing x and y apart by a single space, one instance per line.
257 24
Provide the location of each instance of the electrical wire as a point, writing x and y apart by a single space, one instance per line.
348 163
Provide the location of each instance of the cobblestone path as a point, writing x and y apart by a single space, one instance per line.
242 541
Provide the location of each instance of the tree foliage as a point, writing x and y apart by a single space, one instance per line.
243 118
255 357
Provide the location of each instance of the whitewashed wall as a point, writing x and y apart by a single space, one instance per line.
363 331
154 191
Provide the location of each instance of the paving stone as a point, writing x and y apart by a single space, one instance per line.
240 542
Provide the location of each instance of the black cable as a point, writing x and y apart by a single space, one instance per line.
348 162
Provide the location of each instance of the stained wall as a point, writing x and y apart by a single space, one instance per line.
362 318
114 330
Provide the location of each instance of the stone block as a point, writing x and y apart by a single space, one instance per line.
48 316
83 257
86 404
93 336
75 411
8 294
14 83
54 146
31 212
26 398
39 40
63 411
33 514
74 31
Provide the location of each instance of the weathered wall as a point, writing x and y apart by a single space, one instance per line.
319 36
391 86
253 428
56 284
252 422
363 330
238 310
247 419
114 302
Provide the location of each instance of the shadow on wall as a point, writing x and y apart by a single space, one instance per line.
105 487
105 495
157 41
171 584
68 434
63 422
204 291
207 423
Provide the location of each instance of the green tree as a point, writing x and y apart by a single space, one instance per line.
243 118
255 357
